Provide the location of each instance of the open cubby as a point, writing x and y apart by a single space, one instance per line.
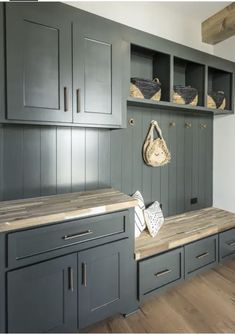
219 80
150 64
188 73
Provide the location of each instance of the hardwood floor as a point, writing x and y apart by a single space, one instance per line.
205 303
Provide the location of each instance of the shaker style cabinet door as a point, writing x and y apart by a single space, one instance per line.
38 56
101 280
2 83
43 297
97 72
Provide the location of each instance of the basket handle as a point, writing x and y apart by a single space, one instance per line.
154 125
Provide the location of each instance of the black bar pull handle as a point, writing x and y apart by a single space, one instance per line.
84 274
78 100
71 279
66 107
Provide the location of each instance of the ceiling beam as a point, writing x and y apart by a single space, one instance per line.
219 26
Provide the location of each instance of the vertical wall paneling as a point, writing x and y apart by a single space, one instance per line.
202 163
188 139
209 163
172 137
104 158
137 159
165 118
31 161
39 160
195 160
116 158
180 149
1 163
63 159
156 171
48 161
92 156
78 159
13 176
127 166
147 170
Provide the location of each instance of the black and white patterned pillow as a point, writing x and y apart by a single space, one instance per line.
154 218
140 224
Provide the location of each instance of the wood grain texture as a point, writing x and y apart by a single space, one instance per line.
182 229
203 304
219 26
20 214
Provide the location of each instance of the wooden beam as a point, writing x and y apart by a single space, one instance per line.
219 26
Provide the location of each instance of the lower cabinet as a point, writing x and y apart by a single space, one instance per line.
102 275
200 255
227 244
43 297
163 270
159 271
71 291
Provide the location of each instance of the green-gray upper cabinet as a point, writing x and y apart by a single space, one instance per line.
39 69
2 102
97 72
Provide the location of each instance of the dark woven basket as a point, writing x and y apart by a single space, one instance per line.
146 89
216 100
185 95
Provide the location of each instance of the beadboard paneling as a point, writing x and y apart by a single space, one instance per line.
38 160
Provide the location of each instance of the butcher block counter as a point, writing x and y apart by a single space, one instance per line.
26 213
183 229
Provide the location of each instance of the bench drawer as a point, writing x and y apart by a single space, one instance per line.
200 254
160 270
32 242
227 243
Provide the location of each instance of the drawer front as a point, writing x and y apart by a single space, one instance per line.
200 254
227 243
32 242
160 270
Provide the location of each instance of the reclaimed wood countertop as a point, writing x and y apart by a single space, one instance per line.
182 229
26 213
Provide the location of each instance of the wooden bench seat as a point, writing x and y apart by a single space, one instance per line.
182 229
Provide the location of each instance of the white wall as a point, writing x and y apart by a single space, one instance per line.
158 18
181 22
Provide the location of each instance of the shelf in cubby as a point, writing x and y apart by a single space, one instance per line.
132 101
188 73
219 80
150 64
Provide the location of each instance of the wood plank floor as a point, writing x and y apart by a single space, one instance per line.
203 304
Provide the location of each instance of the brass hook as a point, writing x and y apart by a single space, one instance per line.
188 125
203 126
131 121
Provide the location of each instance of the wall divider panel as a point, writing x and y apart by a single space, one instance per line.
38 160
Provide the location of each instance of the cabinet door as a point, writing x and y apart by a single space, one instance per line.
101 280
2 92
43 297
38 53
97 72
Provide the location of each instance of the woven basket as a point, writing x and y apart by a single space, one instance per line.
185 95
145 89
216 100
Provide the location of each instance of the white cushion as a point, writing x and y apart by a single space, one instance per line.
140 224
154 218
